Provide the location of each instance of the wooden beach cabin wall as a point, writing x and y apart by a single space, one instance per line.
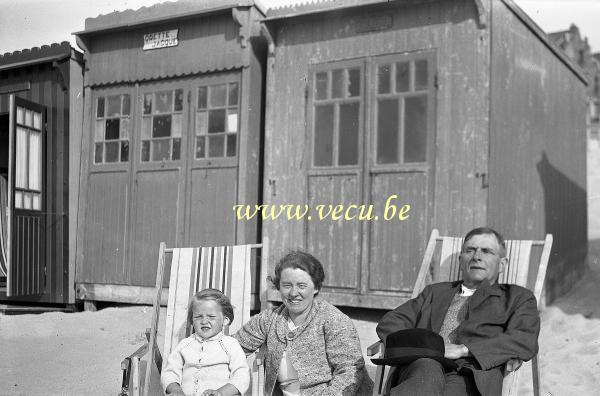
373 101
171 138
40 122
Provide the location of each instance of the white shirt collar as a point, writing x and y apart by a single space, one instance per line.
465 291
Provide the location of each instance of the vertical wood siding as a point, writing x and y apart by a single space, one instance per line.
537 148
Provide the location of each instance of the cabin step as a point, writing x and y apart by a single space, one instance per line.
12 309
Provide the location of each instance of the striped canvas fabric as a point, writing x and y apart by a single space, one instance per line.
3 226
194 269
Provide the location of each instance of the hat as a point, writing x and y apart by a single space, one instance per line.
406 346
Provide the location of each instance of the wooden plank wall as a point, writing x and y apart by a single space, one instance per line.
46 89
462 50
537 148
118 56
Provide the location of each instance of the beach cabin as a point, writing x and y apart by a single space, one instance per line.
431 114
171 138
41 103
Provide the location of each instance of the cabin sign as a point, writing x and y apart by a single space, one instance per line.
168 38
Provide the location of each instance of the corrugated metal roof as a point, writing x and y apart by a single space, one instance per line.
317 6
160 12
35 55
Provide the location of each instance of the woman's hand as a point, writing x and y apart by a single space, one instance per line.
174 389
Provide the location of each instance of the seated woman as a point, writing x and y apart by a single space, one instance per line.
311 346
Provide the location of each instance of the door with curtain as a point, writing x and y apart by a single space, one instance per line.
26 199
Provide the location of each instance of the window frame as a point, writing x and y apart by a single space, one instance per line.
29 129
312 103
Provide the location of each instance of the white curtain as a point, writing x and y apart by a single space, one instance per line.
35 160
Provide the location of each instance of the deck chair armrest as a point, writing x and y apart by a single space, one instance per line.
141 351
512 365
374 349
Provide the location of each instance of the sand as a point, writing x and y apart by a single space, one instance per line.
80 353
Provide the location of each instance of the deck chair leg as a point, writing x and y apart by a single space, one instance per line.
134 380
379 381
535 371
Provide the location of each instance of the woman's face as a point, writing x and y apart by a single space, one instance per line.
297 291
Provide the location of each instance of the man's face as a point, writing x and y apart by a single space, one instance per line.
481 259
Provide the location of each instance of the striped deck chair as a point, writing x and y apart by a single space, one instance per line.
527 263
192 269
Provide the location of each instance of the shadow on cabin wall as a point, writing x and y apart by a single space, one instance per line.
565 208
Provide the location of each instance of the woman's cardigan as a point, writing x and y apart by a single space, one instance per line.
325 350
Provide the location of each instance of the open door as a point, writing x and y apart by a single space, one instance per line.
26 238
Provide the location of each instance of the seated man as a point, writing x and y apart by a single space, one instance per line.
484 324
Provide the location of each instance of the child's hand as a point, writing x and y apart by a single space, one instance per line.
211 392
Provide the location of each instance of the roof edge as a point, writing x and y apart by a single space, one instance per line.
38 55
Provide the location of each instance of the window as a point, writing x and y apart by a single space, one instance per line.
217 121
112 129
336 116
162 124
401 100
28 172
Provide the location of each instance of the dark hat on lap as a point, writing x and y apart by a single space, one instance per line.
406 346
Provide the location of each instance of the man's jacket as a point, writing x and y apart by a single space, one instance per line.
502 323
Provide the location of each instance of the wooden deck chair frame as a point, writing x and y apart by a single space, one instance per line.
192 269
516 272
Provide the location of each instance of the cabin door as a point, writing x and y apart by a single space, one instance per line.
400 168
26 200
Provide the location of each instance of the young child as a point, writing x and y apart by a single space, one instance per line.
207 363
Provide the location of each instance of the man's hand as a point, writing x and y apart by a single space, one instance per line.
454 351
211 392
513 365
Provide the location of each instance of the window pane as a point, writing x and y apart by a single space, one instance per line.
100 108
216 145
421 75
179 100
125 128
161 150
28 118
321 85
200 151
146 127
233 94
383 79
148 103
323 151
176 125
21 158
126 105
387 131
415 128
216 121
124 151
161 126
37 120
402 77
231 145
113 108
202 98
112 129
18 199
36 203
217 95
20 115
99 131
201 123
98 150
145 150
176 152
26 201
232 121
348 144
354 82
164 102
112 151
35 161
337 84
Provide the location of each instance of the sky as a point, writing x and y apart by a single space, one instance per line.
31 23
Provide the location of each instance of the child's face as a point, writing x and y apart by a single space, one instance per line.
208 318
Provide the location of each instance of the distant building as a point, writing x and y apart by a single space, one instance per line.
578 49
